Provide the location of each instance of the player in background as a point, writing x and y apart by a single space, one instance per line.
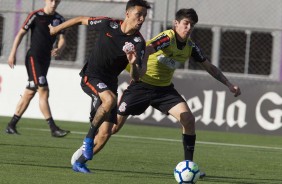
118 44
168 50
37 63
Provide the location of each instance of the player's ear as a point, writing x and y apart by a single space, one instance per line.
175 22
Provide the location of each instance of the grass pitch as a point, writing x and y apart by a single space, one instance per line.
136 155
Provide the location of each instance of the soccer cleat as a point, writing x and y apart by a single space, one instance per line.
202 175
87 148
11 130
59 133
76 155
80 167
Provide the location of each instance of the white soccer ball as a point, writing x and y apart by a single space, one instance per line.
186 172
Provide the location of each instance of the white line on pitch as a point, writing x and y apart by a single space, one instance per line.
175 140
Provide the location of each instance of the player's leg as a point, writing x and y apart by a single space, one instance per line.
183 114
43 92
120 122
26 97
20 109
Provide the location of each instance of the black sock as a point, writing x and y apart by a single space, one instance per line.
188 145
14 120
52 124
81 159
92 132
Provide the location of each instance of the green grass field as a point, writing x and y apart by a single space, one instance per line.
137 155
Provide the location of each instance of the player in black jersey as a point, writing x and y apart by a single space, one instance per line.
37 62
118 43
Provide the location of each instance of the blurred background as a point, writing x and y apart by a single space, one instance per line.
241 37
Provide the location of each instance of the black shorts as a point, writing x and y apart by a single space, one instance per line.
37 69
92 87
139 96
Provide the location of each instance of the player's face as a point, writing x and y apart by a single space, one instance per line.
136 16
184 28
51 5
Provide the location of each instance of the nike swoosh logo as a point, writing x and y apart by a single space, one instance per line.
109 35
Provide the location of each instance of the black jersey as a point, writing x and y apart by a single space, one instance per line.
41 40
107 59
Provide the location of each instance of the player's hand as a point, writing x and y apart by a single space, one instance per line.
236 90
130 52
52 30
55 52
12 61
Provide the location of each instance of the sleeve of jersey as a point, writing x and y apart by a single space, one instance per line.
28 23
160 42
197 53
97 23
62 20
140 51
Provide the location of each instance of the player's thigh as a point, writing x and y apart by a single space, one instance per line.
134 100
43 92
182 113
37 69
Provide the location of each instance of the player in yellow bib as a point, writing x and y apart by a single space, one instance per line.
167 52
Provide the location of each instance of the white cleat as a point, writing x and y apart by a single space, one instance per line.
76 155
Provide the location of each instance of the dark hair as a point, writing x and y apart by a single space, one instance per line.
186 13
133 3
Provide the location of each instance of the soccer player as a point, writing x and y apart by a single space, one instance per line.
118 44
37 62
169 50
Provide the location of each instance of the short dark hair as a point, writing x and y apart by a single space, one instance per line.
190 13
133 3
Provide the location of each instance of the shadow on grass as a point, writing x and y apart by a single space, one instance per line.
240 180
33 146
111 171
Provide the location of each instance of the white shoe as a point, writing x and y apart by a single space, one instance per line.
76 155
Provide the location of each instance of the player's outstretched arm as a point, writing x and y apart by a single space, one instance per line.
217 74
61 45
17 41
69 23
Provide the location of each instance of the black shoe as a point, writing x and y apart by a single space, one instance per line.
202 175
11 130
59 133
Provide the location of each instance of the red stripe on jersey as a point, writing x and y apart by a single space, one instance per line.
33 70
89 85
161 41
98 18
30 15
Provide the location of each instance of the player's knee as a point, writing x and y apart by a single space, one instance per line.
187 120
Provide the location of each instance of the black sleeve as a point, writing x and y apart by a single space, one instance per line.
197 53
29 21
97 23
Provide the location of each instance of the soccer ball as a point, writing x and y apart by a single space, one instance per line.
186 172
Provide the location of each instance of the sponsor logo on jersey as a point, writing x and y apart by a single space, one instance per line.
42 80
122 107
56 22
94 22
137 39
169 62
101 85
109 35
114 25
